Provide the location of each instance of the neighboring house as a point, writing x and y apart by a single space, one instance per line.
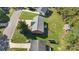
42 10
38 45
37 25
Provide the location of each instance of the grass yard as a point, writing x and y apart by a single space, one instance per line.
18 37
1 30
27 15
10 12
17 49
55 25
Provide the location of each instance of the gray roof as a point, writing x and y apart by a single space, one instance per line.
38 23
38 45
42 10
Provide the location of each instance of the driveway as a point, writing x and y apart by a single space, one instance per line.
12 25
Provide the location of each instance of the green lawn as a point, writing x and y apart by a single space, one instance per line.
10 12
17 49
55 25
18 37
27 15
1 30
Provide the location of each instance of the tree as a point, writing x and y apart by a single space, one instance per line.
3 16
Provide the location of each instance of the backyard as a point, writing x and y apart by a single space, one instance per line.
55 25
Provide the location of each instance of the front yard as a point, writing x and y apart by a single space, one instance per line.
27 15
18 37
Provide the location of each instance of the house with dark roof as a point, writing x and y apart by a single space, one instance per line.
42 10
37 25
38 45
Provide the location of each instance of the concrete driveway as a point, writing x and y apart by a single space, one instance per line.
12 25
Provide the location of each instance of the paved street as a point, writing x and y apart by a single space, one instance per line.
12 24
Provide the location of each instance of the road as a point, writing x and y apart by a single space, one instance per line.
12 24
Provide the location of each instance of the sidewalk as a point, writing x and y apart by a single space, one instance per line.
20 45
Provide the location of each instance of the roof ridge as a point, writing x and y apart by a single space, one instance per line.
38 23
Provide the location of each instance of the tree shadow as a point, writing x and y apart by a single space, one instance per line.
29 35
25 31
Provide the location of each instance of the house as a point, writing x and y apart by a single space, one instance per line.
37 25
42 10
38 45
